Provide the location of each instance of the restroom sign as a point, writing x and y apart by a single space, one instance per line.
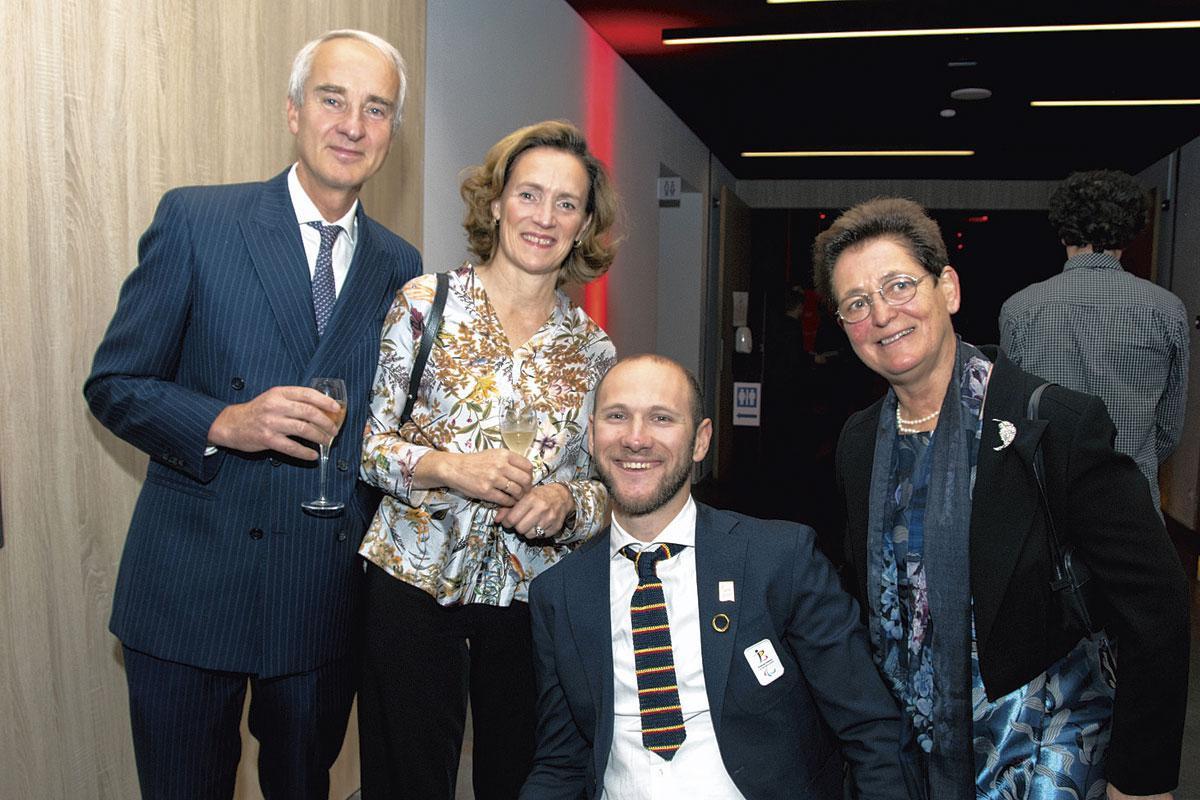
747 403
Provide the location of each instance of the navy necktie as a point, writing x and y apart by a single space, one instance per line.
653 659
323 289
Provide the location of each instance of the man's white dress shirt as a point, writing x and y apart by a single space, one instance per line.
634 773
343 246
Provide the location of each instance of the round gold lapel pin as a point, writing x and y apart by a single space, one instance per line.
720 623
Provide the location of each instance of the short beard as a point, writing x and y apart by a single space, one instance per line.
671 484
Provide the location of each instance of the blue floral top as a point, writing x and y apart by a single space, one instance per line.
906 660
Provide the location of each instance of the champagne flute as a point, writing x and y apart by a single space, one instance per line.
335 389
518 424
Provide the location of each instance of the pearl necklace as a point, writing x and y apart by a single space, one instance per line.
909 425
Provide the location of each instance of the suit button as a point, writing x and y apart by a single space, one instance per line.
274 462
238 383
342 465
256 533
341 536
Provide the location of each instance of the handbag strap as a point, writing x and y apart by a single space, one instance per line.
433 322
1062 574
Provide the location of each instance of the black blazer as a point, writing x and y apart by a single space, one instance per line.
1101 502
776 741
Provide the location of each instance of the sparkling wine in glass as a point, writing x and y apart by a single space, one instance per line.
518 424
335 389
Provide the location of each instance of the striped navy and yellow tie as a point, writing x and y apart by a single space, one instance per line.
658 693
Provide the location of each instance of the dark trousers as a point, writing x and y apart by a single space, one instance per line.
186 719
421 661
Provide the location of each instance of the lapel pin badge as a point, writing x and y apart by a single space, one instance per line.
1008 432
720 623
725 591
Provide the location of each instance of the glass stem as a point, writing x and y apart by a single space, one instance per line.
324 462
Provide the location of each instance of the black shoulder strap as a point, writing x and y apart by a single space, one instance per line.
433 322
1039 465
1039 472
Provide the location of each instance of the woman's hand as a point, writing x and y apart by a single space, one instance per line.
497 475
545 507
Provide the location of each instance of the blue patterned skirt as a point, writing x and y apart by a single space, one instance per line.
1046 740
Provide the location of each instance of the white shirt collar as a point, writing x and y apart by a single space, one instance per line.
680 530
306 209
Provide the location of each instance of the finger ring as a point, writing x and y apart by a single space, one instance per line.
539 531
507 484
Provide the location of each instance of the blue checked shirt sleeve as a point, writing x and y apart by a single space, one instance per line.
1168 416
1011 340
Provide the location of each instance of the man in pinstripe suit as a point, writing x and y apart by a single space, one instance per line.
241 296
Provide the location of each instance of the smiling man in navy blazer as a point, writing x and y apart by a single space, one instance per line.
763 675
242 295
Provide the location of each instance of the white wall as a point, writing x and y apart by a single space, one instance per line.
681 271
1178 180
495 66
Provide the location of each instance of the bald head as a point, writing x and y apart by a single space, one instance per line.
663 367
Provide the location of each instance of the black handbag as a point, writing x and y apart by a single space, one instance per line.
1071 587
433 322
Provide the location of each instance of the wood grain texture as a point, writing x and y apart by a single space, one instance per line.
111 103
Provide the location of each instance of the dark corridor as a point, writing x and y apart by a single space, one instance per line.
812 381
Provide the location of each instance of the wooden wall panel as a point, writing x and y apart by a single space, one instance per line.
109 104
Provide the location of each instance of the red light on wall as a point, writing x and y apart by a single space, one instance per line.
637 32
980 218
599 126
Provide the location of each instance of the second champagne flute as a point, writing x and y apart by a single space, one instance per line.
518 423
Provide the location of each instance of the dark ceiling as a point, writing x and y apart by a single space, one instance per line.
888 93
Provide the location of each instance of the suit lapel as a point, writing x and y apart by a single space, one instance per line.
365 288
720 556
273 238
856 460
1005 498
587 608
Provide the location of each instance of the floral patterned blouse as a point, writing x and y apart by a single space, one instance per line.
437 539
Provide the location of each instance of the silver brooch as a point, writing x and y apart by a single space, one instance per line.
1008 432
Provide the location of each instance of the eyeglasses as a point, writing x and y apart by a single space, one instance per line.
897 291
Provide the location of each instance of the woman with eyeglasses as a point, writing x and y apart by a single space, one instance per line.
949 549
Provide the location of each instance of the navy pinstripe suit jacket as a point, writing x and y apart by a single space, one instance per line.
222 569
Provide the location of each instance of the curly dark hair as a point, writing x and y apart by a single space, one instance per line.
896 218
1104 208
485 182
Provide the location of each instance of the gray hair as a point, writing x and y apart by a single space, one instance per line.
302 66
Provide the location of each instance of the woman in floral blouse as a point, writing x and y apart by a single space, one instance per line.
466 524
949 548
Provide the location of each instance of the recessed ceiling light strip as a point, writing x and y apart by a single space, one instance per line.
1114 103
682 36
851 153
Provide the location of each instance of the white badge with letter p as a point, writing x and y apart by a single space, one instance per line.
764 661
